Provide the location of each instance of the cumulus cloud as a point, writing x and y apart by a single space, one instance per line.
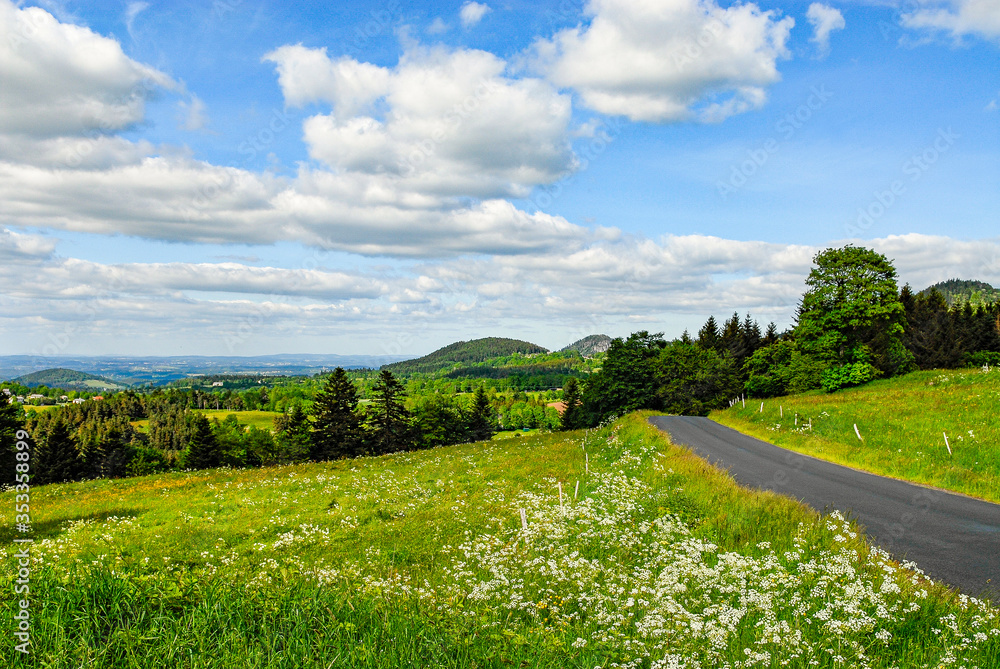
412 160
472 13
62 80
957 17
444 122
668 60
824 20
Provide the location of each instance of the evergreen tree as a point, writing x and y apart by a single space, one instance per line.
203 451
57 458
572 416
771 337
441 422
389 423
293 435
337 431
708 335
480 417
731 338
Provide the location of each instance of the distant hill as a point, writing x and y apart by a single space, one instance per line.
69 379
591 345
960 291
465 352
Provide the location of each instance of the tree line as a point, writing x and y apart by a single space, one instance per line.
99 439
853 325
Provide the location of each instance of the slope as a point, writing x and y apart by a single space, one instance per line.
476 350
903 425
422 559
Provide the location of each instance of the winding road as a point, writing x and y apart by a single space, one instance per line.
951 537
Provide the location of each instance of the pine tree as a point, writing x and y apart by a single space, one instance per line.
337 431
572 415
293 435
771 337
57 458
203 449
731 338
708 335
480 417
389 422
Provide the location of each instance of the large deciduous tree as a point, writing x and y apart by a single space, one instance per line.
851 312
337 431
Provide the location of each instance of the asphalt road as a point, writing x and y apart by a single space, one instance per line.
952 538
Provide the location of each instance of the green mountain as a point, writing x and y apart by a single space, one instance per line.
69 379
961 291
465 352
590 345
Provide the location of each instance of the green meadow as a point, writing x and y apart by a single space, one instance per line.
902 423
647 558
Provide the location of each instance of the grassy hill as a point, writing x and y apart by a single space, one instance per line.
68 379
420 560
477 350
903 423
961 291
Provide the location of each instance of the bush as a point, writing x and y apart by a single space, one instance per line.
848 376
982 358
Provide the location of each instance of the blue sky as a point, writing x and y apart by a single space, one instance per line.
246 177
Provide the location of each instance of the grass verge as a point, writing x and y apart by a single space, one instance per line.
902 423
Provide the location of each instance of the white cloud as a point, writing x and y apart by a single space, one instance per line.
472 13
625 281
824 20
668 60
62 80
193 114
957 17
444 122
413 158
437 27
132 10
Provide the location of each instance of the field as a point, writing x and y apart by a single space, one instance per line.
263 420
420 560
902 423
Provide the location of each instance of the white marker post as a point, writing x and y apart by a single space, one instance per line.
524 520
587 463
782 410
575 492
761 408
857 432
560 495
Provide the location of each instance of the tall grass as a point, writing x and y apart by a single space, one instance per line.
419 560
902 423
